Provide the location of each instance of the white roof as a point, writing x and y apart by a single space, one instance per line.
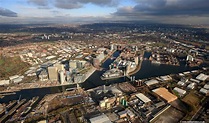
181 91
206 86
4 82
202 77
151 82
191 86
13 77
165 78
143 98
181 83
194 80
203 90
100 119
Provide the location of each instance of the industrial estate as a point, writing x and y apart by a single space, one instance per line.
121 73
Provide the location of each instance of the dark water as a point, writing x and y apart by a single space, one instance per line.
147 70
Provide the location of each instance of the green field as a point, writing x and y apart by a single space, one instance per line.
11 66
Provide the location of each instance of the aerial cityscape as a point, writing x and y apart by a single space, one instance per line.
108 61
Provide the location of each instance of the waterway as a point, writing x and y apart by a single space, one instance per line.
147 70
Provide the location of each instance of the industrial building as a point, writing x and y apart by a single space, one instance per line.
180 91
53 73
151 82
100 119
165 94
143 98
202 77
4 82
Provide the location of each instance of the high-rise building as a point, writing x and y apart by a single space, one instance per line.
53 74
59 66
73 64
61 77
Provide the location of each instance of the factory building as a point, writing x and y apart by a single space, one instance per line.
143 98
165 94
100 119
180 91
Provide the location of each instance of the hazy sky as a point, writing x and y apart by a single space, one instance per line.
66 11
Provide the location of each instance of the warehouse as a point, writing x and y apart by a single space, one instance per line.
165 94
100 119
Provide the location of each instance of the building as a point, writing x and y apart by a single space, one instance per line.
190 58
100 57
53 73
59 66
122 114
61 77
165 94
4 82
79 78
151 82
202 77
143 98
204 91
96 62
191 86
180 91
43 76
73 64
100 119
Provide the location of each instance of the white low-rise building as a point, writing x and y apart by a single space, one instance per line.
204 91
181 83
206 86
4 82
191 86
180 91
151 82
202 77
143 98
100 119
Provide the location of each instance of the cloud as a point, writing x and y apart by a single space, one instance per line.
73 4
68 4
7 13
166 7
39 2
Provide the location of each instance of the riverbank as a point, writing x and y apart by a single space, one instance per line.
138 67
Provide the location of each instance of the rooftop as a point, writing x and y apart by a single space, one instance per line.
165 94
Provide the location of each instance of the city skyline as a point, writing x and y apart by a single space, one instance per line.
69 11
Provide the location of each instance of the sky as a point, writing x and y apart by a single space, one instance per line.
69 11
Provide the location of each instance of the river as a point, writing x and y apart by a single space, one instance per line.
147 70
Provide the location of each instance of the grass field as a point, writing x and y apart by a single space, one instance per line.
11 66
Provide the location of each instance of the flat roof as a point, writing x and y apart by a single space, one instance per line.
151 82
143 98
202 77
100 119
165 94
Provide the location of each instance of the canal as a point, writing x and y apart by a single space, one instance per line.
147 70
